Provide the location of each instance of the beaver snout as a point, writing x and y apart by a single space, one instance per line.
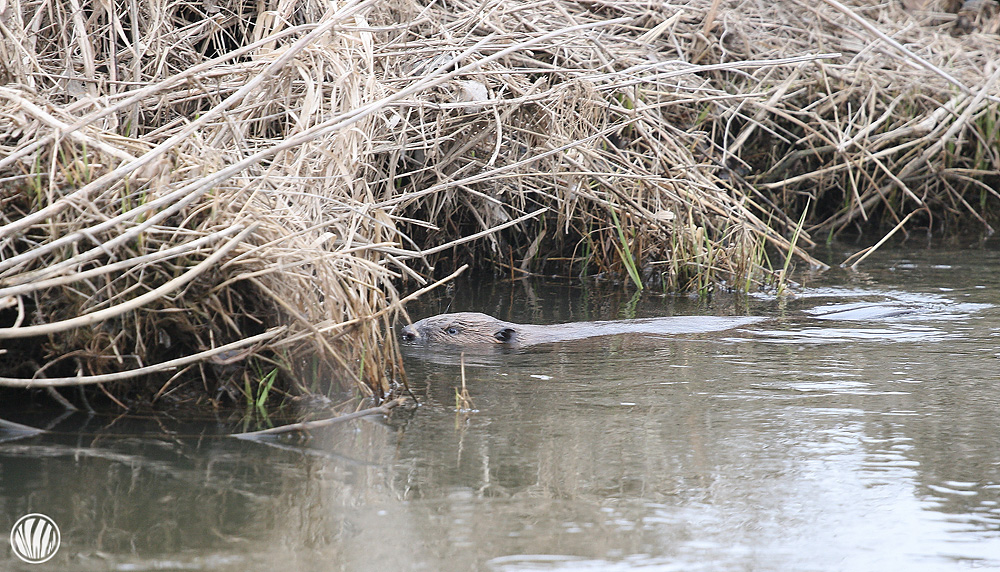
409 334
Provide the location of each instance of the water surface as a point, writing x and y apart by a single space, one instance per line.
800 443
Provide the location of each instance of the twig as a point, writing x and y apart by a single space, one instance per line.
901 48
868 251
483 233
137 302
31 283
710 17
61 127
123 375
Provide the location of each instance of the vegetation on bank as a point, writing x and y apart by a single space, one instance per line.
209 193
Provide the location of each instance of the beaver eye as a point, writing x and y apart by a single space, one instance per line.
452 330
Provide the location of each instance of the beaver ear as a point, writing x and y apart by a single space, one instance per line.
504 335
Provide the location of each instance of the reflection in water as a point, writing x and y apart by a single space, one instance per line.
855 443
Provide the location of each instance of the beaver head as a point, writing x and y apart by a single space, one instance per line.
460 329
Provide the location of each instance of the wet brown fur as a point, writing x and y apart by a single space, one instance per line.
461 328
472 329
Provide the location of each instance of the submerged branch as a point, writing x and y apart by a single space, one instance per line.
383 409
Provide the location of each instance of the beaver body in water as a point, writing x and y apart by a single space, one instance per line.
475 330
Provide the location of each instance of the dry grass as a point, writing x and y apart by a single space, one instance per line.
905 121
187 185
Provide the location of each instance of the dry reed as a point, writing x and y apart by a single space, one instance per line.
191 185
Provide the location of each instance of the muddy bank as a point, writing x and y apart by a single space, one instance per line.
239 200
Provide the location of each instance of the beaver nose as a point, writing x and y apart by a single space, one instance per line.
409 334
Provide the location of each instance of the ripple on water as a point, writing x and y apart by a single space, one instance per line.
786 389
952 490
531 562
819 335
876 315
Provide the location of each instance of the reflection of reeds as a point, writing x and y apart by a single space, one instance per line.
202 184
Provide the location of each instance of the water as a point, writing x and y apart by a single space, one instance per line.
800 443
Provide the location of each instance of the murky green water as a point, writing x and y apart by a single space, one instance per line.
795 444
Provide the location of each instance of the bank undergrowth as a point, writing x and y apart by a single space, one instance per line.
197 187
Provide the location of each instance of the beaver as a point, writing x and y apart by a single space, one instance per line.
475 330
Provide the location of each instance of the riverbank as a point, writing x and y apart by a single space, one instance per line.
239 200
